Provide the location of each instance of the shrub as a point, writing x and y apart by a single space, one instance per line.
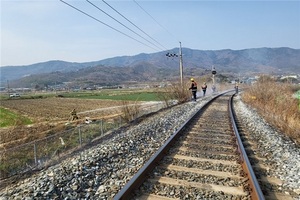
275 102
130 111
175 92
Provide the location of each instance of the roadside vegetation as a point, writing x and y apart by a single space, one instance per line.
174 92
277 103
130 111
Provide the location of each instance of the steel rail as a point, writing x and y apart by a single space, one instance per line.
256 193
126 192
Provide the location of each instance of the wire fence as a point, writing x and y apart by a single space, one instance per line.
39 153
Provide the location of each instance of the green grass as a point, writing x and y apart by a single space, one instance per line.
130 96
8 118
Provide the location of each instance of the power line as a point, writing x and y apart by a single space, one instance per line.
122 23
133 24
155 20
105 24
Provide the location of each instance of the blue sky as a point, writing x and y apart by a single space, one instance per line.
42 30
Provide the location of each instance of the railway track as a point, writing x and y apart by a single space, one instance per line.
203 160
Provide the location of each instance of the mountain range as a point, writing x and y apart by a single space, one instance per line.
156 67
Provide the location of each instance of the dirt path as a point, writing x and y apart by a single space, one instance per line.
143 105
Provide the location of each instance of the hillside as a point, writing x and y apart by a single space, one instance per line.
156 66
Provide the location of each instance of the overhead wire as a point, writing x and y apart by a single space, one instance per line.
122 24
106 24
155 20
133 24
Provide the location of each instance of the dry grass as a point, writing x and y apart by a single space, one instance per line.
275 102
181 94
130 111
176 92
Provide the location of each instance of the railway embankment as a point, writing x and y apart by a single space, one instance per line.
101 171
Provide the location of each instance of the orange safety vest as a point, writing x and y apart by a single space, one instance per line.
194 86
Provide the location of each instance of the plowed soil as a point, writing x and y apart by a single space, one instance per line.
51 114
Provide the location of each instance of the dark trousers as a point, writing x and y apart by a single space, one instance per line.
194 94
204 91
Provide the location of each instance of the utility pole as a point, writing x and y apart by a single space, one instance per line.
180 65
8 87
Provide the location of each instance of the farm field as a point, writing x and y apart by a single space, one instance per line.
50 114
55 109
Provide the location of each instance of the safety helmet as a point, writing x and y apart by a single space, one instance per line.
192 79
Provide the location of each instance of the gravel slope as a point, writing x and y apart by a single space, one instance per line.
273 146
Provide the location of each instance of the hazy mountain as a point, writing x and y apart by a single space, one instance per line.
257 60
157 66
99 75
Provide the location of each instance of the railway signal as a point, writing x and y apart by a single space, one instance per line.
214 72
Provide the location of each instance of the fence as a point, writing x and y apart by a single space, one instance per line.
38 153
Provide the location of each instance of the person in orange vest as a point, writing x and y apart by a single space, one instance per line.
204 87
193 88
